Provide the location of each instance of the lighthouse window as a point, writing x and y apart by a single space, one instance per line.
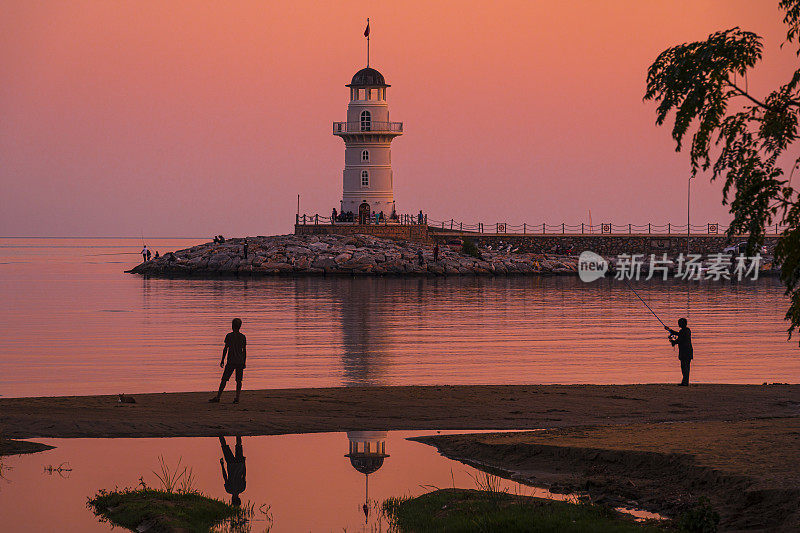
365 156
364 178
366 121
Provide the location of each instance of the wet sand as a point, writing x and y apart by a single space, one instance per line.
747 469
19 447
467 407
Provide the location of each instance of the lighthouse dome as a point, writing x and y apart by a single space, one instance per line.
368 77
366 464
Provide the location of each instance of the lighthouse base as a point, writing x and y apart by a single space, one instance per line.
397 232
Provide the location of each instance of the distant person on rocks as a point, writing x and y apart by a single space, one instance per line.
683 339
156 256
216 239
221 239
333 215
420 258
236 351
145 251
234 470
148 255
436 252
244 249
420 217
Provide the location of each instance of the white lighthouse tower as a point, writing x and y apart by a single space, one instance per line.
367 136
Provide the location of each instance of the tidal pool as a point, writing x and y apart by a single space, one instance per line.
308 482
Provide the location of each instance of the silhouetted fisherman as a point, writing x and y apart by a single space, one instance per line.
148 255
435 252
236 350
683 338
145 251
235 475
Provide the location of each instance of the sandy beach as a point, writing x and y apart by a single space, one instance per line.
658 447
467 407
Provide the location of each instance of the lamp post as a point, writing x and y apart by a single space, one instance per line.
688 213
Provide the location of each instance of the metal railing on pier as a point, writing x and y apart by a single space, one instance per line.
711 228
503 228
352 219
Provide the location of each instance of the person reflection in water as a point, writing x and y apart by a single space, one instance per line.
233 470
683 338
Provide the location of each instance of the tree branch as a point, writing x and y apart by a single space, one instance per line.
747 95
795 103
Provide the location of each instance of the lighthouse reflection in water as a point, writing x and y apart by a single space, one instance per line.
365 337
367 453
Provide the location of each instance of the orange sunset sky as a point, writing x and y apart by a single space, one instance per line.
197 118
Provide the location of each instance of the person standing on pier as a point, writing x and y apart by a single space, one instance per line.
683 339
236 351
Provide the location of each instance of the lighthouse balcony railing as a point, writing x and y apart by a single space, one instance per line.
367 127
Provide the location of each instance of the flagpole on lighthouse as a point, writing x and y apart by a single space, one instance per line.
366 34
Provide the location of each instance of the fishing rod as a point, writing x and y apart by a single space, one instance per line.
645 303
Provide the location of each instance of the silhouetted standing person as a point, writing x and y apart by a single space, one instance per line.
148 255
244 249
236 351
683 338
234 470
420 257
145 251
435 252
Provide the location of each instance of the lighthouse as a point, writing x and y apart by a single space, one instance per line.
367 135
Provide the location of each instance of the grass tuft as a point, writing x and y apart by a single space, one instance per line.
160 510
174 480
491 510
471 249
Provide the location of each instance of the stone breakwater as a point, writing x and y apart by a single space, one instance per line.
345 255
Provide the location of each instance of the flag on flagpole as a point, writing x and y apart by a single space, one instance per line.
366 32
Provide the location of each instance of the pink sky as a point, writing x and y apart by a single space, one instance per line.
193 118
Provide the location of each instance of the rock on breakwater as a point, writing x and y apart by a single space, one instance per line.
348 255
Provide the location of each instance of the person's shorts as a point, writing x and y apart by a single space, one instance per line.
229 369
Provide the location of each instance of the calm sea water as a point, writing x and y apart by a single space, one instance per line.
72 322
